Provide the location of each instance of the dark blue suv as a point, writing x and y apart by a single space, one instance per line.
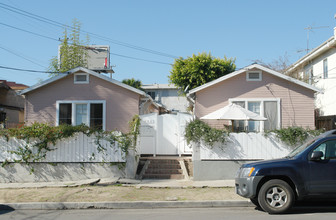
308 172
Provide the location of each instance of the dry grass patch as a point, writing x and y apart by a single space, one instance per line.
114 193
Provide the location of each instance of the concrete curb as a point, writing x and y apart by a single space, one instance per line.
124 205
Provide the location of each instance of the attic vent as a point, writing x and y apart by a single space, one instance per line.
253 76
81 78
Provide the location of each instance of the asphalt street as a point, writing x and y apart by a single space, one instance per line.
304 213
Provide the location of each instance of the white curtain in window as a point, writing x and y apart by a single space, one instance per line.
81 114
254 125
239 126
271 113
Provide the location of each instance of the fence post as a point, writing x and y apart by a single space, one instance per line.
131 164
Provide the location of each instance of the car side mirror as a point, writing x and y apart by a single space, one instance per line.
316 155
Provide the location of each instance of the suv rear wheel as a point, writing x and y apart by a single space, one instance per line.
276 196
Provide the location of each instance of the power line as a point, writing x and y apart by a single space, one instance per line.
58 24
22 20
30 15
30 32
140 59
316 77
50 38
23 57
33 71
26 70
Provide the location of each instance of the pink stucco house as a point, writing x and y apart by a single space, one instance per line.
84 96
283 100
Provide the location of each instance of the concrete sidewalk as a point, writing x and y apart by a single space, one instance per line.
178 183
126 182
125 205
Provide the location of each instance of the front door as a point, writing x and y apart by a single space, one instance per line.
322 173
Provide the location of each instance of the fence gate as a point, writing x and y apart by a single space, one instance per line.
163 134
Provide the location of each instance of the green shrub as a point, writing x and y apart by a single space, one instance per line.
197 131
293 136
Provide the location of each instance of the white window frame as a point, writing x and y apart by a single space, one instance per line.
308 75
325 68
73 110
248 76
262 113
81 82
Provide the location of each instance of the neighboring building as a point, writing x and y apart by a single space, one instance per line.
11 104
98 58
168 96
17 87
319 69
84 96
283 100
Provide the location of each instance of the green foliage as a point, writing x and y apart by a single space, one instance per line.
197 131
38 136
72 51
134 83
294 136
199 69
134 125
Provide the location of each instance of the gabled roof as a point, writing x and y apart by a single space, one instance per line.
257 66
13 85
82 69
325 46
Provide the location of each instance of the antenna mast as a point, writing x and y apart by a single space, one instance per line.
310 28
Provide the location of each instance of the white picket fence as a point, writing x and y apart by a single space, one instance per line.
79 148
245 146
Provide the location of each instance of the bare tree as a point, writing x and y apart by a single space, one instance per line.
280 65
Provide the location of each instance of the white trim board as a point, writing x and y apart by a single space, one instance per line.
248 68
73 109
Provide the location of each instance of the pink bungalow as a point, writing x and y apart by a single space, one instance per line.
84 96
283 100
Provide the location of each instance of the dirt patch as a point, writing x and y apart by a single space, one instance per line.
115 193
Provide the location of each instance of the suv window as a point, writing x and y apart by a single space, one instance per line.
328 149
301 148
